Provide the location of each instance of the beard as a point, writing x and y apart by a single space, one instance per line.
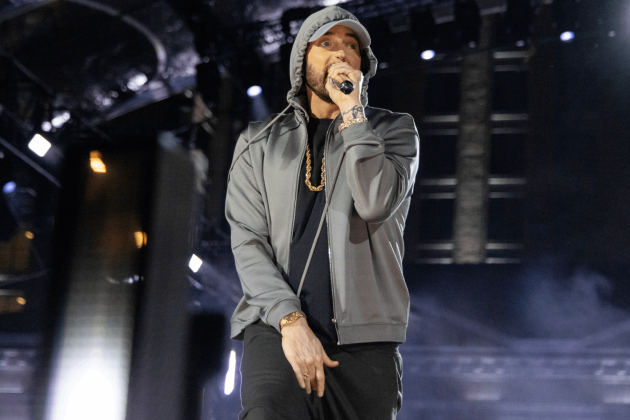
317 82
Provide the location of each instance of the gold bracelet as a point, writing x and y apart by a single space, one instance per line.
349 123
290 319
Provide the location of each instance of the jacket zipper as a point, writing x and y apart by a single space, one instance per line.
332 273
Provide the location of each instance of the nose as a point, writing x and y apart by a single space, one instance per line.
340 55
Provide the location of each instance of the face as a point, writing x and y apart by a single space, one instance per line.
339 44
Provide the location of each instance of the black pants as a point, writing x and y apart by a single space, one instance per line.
367 384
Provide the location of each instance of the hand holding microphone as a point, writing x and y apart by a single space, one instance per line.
345 79
345 87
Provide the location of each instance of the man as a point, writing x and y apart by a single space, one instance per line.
327 185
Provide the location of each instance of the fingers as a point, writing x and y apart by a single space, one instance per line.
299 375
343 71
307 358
340 73
313 365
309 383
314 382
308 374
321 382
329 362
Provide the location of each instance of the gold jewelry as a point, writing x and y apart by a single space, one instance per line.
349 123
290 319
308 171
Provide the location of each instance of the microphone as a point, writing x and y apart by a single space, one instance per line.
345 87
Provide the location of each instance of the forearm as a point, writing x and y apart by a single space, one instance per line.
263 284
380 169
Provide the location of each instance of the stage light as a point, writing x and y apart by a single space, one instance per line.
258 109
96 163
141 239
427 55
137 81
231 373
9 187
46 126
567 36
254 91
195 263
29 234
21 301
39 145
93 387
60 119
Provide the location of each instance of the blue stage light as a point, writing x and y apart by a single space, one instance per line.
427 55
254 91
9 187
567 36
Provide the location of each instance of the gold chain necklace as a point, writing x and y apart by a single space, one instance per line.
308 171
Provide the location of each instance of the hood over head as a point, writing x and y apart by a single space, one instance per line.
297 95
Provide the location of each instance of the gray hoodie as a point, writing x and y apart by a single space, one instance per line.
371 169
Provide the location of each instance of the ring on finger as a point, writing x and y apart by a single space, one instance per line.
306 376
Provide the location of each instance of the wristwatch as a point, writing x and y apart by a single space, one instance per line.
291 318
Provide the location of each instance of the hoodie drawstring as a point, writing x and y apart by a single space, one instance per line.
255 137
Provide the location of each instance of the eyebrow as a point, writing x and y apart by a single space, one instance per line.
350 34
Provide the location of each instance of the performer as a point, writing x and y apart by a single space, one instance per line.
327 185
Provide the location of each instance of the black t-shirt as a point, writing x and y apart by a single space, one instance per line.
316 297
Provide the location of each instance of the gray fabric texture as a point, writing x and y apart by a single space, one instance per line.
365 218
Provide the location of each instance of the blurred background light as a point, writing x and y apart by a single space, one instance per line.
195 263
427 55
21 301
9 187
137 81
90 389
231 373
567 36
141 239
96 163
39 145
59 119
332 2
29 234
258 108
46 126
254 91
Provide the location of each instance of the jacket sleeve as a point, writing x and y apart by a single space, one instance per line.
381 169
246 211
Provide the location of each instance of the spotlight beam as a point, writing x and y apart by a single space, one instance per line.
29 162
